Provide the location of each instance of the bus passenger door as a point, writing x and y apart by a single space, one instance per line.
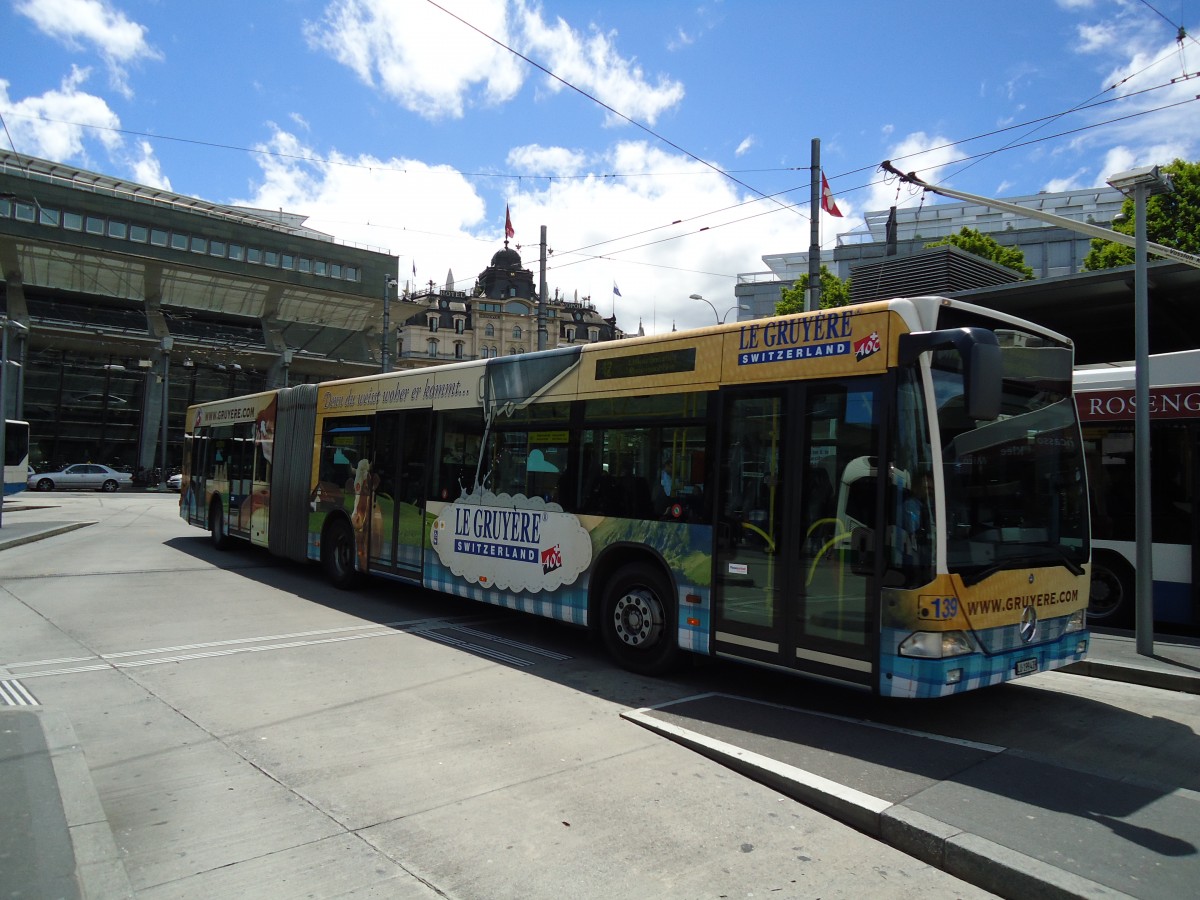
792 581
401 444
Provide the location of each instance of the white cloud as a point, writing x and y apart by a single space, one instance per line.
918 152
546 160
1094 38
147 169
56 124
404 206
744 147
436 66
437 218
681 40
426 60
594 65
1077 179
1156 120
119 41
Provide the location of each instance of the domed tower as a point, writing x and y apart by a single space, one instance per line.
505 278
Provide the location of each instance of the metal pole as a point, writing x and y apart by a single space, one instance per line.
541 340
812 299
166 408
1144 578
385 355
716 314
1105 234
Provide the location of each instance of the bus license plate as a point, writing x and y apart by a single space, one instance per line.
1026 666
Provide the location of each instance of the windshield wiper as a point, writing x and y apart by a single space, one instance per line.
1059 555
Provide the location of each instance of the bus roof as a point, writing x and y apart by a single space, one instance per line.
1181 368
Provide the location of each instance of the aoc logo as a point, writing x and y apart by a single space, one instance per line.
867 346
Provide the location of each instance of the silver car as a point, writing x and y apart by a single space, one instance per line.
81 476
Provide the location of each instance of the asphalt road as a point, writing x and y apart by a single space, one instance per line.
252 732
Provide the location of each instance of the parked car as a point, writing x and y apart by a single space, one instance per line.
97 401
175 482
81 475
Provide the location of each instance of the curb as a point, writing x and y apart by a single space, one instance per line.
99 870
1155 678
976 860
6 543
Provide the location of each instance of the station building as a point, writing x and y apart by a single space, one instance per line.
888 258
122 304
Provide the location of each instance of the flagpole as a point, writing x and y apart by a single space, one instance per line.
812 299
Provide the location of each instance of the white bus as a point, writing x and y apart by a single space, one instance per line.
1104 396
16 456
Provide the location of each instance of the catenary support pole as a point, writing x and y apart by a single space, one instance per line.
812 298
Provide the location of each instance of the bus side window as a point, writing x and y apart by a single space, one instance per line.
459 443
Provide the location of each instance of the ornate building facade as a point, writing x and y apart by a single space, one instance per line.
498 317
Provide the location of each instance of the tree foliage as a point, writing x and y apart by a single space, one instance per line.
980 244
1172 220
834 292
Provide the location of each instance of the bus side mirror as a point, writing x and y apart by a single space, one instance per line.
980 352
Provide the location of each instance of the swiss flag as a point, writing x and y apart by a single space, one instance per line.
827 202
508 229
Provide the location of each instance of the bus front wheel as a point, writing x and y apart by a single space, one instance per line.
638 621
1111 598
338 553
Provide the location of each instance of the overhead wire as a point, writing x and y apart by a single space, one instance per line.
729 174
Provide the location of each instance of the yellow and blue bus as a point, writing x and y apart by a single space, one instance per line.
890 496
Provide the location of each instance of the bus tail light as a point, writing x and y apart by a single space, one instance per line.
935 644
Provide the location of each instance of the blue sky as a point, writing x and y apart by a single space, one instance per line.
408 126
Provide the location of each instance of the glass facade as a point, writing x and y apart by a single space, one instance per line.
84 408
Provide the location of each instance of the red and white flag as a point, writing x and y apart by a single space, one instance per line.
508 229
827 202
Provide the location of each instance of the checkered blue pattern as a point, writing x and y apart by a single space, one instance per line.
905 676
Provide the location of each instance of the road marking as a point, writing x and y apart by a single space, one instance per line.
13 693
879 726
430 628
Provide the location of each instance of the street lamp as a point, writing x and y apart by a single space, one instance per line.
1140 183
720 318
389 282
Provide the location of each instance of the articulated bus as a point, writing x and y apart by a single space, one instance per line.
16 456
1105 396
890 496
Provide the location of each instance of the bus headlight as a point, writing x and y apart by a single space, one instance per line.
935 644
1077 622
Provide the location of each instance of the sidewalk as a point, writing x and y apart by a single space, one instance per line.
957 808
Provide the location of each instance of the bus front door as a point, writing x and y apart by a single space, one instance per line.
398 522
790 586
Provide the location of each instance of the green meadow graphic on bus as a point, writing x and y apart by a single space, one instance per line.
511 541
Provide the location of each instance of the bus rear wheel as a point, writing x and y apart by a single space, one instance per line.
637 621
1111 599
338 553
216 526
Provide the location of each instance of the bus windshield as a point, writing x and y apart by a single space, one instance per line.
1015 487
